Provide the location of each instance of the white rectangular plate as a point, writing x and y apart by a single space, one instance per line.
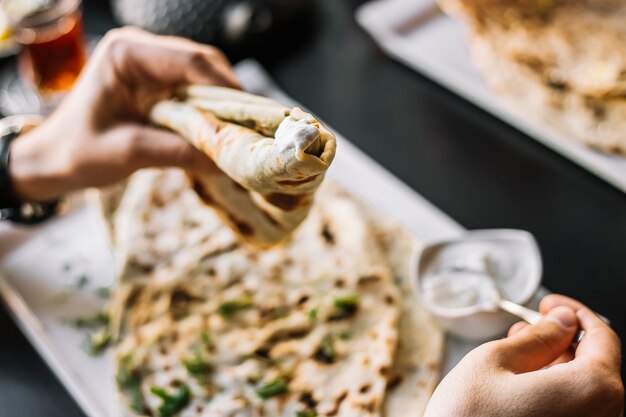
418 34
40 265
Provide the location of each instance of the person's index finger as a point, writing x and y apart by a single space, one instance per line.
600 343
143 57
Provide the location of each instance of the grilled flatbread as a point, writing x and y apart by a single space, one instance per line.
274 157
563 61
416 365
208 327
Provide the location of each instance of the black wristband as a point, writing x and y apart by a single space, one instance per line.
12 207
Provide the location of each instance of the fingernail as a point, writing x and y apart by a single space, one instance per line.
562 315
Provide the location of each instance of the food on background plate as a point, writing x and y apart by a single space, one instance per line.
7 44
274 157
322 325
562 61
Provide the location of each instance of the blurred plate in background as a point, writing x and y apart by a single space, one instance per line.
418 34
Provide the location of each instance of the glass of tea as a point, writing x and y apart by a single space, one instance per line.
53 45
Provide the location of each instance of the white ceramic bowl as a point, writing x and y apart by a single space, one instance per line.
473 323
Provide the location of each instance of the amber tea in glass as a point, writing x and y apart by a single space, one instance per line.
53 47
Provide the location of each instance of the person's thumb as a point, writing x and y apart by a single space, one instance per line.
537 346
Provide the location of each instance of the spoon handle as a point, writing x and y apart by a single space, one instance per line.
526 314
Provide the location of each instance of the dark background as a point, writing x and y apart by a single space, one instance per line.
474 167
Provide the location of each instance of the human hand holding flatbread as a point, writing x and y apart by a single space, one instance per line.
273 157
99 135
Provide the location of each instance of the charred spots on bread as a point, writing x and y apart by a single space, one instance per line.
249 123
394 381
287 334
326 352
275 313
218 251
344 307
370 406
156 200
368 279
303 299
294 183
288 202
557 85
202 192
180 301
191 223
389 299
597 108
140 266
133 295
337 404
327 234
262 353
534 63
365 388
308 400
242 227
340 283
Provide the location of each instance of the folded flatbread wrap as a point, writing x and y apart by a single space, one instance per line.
273 158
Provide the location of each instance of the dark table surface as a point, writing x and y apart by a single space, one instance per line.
474 167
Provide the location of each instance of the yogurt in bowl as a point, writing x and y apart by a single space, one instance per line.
458 279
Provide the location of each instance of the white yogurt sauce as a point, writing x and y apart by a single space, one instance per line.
459 289
469 274
298 134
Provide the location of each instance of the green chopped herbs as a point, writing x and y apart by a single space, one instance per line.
347 301
280 312
313 313
346 306
129 380
199 366
82 282
97 342
205 340
326 352
229 308
103 292
172 403
276 387
343 334
100 318
306 413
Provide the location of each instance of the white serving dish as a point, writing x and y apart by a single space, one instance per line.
418 34
474 323
32 264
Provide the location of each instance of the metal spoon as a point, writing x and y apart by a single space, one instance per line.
528 315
